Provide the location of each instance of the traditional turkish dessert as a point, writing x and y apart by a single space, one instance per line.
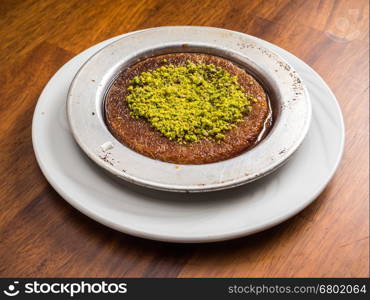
187 108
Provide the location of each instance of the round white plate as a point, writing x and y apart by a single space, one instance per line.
174 217
289 96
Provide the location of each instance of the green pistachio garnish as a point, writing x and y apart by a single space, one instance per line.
190 102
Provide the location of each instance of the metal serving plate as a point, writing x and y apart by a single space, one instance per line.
289 98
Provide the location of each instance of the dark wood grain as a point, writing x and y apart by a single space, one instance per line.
41 235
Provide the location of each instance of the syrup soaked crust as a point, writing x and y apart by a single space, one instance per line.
141 137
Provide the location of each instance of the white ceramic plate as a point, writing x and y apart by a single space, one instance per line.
291 105
174 217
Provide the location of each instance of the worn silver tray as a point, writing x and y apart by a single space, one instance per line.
289 97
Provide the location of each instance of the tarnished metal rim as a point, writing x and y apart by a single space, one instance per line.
85 109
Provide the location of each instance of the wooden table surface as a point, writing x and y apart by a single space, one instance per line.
42 235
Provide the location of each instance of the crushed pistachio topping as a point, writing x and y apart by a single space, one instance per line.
189 102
